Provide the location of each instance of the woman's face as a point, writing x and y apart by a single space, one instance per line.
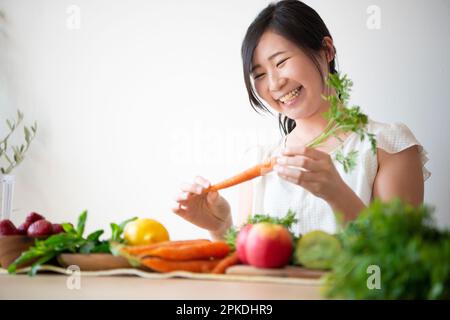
286 78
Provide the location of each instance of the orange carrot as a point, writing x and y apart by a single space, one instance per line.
139 250
162 265
253 172
207 250
223 265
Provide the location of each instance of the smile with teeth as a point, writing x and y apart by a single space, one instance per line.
290 95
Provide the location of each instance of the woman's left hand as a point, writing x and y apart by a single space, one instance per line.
311 169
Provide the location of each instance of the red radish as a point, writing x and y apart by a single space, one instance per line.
40 228
268 246
241 243
7 228
57 228
33 217
23 228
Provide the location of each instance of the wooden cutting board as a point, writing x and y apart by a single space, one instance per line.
93 261
287 272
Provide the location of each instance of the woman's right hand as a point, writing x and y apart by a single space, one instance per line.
207 210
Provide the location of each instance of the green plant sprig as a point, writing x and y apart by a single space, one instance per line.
18 152
342 118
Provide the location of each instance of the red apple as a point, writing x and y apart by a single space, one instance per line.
268 246
241 242
40 228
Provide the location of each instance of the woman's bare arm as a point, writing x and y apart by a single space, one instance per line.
400 175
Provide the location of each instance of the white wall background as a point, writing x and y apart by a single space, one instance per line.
147 94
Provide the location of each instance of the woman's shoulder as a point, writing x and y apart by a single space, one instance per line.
392 137
379 127
396 137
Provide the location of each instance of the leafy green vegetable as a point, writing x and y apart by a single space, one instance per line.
230 237
287 221
71 241
81 223
349 161
412 253
342 118
117 230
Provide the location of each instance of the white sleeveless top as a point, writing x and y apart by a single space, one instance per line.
275 196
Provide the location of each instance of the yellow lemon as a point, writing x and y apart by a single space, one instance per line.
145 231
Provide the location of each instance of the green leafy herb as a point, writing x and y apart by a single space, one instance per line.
71 241
117 230
287 221
230 237
45 250
349 161
342 118
81 223
412 254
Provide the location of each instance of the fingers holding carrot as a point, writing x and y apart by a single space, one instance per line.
202 181
200 203
200 187
246 175
195 187
311 169
200 206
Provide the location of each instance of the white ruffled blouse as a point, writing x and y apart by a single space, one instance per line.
275 196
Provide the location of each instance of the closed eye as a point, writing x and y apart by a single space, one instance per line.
281 62
258 76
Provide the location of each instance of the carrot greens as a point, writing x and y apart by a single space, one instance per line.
342 118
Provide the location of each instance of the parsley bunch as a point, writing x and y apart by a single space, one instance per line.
342 118
412 254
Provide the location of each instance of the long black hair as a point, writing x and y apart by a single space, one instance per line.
299 24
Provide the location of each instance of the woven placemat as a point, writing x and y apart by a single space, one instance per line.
176 274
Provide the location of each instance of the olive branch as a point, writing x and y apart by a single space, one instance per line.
13 155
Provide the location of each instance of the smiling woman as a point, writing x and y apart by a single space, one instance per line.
287 55
293 33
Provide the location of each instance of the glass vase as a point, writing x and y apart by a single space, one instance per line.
7 184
